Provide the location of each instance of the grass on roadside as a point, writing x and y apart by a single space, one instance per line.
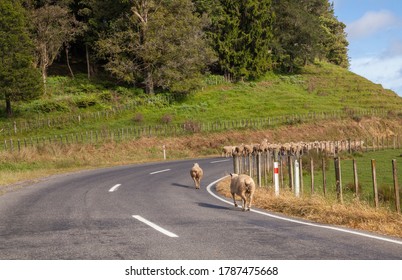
356 214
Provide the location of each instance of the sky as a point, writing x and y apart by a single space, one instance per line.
374 33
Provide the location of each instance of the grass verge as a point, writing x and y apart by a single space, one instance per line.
356 214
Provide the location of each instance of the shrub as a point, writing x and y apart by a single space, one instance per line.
85 101
47 106
192 126
166 119
138 118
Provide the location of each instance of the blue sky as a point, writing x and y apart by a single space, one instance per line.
374 29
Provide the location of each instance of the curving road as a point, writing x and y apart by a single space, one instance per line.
152 211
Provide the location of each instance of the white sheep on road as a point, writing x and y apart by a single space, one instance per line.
244 186
196 174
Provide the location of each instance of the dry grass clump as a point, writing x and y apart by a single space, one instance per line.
356 214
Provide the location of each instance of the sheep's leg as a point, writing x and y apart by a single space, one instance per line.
243 198
195 182
250 201
234 199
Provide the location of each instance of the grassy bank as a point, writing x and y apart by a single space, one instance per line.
356 214
79 105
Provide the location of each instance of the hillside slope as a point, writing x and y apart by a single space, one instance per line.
319 88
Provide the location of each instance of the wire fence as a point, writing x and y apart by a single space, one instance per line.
9 134
340 176
19 127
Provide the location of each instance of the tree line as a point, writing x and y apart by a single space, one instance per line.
163 44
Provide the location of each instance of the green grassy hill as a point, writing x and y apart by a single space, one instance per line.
100 104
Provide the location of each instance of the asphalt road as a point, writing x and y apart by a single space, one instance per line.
153 211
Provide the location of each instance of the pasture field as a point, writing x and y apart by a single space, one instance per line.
79 105
384 176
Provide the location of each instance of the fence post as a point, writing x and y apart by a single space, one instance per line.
356 180
312 175
258 169
324 178
301 175
338 178
374 176
396 187
290 171
236 164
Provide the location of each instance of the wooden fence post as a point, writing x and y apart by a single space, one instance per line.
324 178
396 187
290 171
236 164
259 169
356 180
338 178
301 175
374 176
312 175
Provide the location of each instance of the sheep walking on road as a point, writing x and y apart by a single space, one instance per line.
196 174
244 186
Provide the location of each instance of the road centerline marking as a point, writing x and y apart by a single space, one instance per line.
160 171
114 188
222 160
154 226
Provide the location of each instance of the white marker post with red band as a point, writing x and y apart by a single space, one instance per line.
276 178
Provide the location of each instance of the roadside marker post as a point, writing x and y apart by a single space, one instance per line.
276 178
297 179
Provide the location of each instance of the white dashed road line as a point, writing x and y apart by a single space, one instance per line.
222 160
114 188
154 226
160 171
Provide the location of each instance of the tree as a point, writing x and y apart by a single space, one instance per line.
95 17
298 32
19 80
53 27
157 43
335 42
241 33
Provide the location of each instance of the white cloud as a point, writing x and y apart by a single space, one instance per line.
371 23
385 71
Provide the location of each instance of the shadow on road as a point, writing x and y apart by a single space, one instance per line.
207 205
183 186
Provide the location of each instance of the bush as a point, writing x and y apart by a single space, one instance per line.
192 126
47 106
166 119
138 118
85 101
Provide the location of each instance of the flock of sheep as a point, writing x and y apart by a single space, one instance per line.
240 184
244 186
293 148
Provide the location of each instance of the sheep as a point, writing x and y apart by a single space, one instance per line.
196 174
227 151
239 150
248 149
244 186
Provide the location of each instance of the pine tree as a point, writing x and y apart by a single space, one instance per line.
241 33
335 42
19 80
